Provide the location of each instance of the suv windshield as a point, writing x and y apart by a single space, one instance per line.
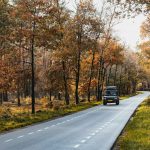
111 93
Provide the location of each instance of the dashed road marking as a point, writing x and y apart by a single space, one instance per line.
8 140
30 133
76 146
53 126
83 141
96 131
20 136
88 137
58 123
93 134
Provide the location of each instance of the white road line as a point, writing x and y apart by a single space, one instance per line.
83 141
88 137
8 140
58 124
53 126
39 130
76 146
20 136
30 133
96 131
46 128
93 134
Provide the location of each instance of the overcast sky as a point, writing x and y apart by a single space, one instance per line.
128 30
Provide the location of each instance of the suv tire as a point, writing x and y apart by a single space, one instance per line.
117 102
104 102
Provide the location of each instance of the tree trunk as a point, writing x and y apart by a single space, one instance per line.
77 80
108 82
98 85
5 96
115 77
120 82
32 66
59 96
103 73
65 83
50 95
78 65
1 98
18 97
91 74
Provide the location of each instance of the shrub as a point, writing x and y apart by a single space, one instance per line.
5 112
57 104
50 104
44 101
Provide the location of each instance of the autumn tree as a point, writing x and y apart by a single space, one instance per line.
84 22
145 49
6 73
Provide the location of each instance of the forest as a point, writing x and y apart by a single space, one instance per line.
51 54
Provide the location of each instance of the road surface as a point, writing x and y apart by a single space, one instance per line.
93 129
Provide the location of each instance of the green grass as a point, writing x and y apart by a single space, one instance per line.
136 135
23 119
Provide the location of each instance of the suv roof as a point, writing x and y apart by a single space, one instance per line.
111 88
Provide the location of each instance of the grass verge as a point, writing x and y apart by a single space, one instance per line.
24 119
136 135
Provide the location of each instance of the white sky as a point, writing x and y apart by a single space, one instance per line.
128 30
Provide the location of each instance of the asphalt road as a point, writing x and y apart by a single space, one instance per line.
93 129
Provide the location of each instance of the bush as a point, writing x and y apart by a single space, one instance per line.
57 104
50 105
5 112
44 102
27 100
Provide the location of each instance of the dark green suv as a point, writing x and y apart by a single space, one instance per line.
110 95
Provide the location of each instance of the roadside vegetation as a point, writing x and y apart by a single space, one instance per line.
136 135
55 60
12 117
